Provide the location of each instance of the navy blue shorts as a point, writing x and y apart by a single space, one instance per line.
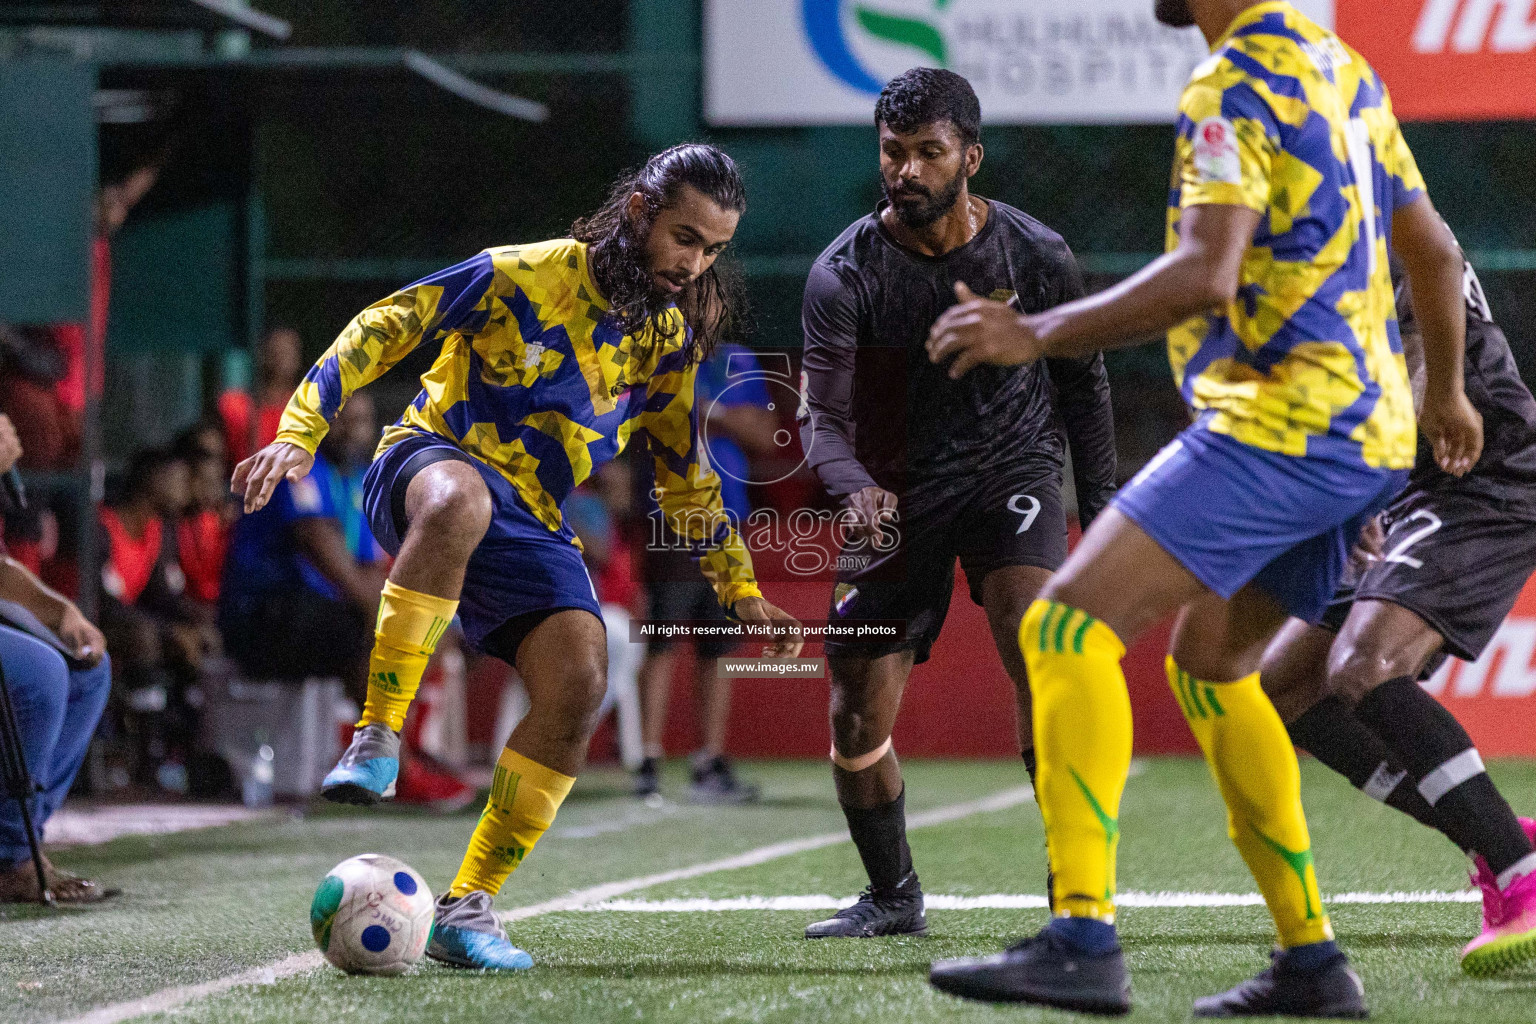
1233 514
521 570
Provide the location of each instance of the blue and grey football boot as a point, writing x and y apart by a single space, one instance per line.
366 773
467 933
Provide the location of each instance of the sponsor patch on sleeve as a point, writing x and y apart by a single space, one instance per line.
1215 152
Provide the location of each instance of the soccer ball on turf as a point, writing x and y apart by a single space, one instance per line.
372 915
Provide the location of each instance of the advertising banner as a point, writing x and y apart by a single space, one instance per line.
1449 59
1495 696
803 62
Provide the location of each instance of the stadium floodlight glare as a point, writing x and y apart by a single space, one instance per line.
259 21
473 91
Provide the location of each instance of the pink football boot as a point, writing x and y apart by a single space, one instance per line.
1508 938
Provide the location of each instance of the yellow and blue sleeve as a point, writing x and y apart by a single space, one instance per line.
1396 158
1227 144
378 338
688 490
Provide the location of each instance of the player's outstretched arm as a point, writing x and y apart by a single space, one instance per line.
1200 274
1435 265
257 477
376 339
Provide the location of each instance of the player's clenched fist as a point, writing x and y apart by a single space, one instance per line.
258 476
977 331
1455 431
873 507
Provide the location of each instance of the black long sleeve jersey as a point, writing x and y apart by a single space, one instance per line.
875 411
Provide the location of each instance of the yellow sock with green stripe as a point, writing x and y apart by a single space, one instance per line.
1082 718
1251 756
524 798
409 627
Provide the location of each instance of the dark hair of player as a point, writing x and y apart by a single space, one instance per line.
713 302
1174 13
925 96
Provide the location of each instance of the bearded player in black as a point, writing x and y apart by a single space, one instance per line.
1444 567
933 469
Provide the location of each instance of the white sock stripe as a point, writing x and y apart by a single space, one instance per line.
1465 765
1382 782
1519 869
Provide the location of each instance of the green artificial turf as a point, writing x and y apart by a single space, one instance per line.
203 905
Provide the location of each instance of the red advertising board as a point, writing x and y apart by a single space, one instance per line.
1495 696
1448 60
960 703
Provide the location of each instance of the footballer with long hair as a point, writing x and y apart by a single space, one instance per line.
555 355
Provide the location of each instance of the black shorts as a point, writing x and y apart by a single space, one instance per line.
1011 518
679 594
1457 560
294 634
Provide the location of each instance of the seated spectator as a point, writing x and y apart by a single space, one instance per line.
297 600
302 582
145 614
58 677
158 636
32 365
202 535
205 437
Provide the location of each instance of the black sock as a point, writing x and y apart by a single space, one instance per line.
1332 734
1447 770
1030 765
880 833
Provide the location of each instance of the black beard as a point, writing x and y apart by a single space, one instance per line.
919 210
1173 13
620 268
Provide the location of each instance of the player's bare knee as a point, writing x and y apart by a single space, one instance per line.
853 731
588 687
567 712
455 512
1355 670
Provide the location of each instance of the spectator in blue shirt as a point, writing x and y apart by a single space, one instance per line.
303 576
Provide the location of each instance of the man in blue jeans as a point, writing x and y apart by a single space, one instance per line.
56 669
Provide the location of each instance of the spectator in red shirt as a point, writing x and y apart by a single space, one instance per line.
202 535
250 423
158 637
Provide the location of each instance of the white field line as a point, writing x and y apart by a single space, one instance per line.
170 998
582 898
298 963
1004 901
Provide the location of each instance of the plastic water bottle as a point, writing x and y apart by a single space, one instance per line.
256 788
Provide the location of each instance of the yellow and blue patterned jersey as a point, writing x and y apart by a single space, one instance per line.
1287 120
536 381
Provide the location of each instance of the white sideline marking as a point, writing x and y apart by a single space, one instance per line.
1003 901
298 963
170 998
582 898
85 825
